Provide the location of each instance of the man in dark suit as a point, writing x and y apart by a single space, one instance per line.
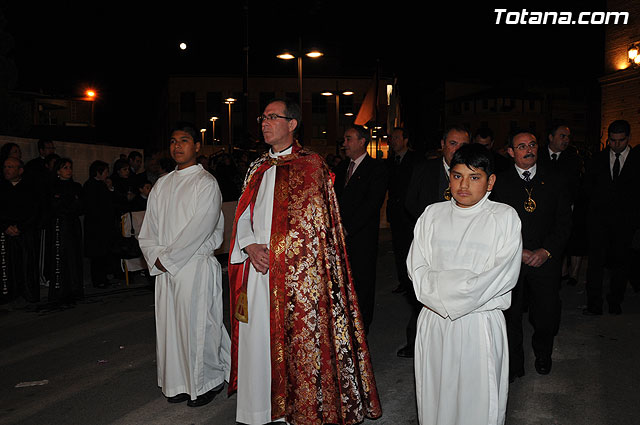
612 184
400 165
361 183
429 184
484 136
561 156
539 195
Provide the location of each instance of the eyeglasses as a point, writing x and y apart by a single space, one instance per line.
524 146
271 117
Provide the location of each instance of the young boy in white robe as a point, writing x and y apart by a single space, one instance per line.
464 260
182 227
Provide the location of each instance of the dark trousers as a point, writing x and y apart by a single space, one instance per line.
539 289
362 259
401 239
608 250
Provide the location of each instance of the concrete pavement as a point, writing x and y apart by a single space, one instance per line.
99 362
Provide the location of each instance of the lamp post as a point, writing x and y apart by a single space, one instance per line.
213 129
90 95
230 101
202 131
314 53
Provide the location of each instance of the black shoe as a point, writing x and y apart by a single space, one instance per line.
591 312
572 282
543 365
179 398
205 398
406 351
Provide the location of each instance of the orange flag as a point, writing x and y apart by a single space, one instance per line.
367 110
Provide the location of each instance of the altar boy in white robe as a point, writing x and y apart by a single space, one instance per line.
182 227
464 261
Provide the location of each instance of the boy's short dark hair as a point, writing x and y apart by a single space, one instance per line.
474 156
97 167
141 184
188 128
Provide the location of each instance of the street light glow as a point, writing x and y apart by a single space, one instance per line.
90 93
229 100
314 54
347 93
213 118
286 56
183 46
326 93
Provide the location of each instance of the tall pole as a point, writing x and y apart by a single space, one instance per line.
245 77
230 139
300 70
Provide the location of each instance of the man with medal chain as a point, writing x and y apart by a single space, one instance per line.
540 196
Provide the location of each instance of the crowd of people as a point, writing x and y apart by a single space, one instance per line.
480 239
50 222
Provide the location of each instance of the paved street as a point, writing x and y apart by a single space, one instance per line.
98 360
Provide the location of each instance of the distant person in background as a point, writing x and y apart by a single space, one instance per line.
139 203
484 136
225 173
165 165
10 150
35 169
122 186
611 181
18 232
204 161
100 223
65 237
136 174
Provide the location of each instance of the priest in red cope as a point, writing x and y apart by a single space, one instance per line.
299 351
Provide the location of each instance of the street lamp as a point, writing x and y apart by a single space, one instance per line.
230 101
90 96
202 131
287 55
213 129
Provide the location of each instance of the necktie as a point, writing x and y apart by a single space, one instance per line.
525 175
349 172
616 167
554 156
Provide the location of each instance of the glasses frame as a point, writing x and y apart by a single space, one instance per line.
272 117
525 146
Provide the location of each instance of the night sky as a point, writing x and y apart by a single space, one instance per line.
126 50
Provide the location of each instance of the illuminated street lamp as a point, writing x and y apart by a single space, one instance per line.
202 131
287 55
230 101
213 129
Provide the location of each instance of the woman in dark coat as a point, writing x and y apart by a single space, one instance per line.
123 190
100 223
65 236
